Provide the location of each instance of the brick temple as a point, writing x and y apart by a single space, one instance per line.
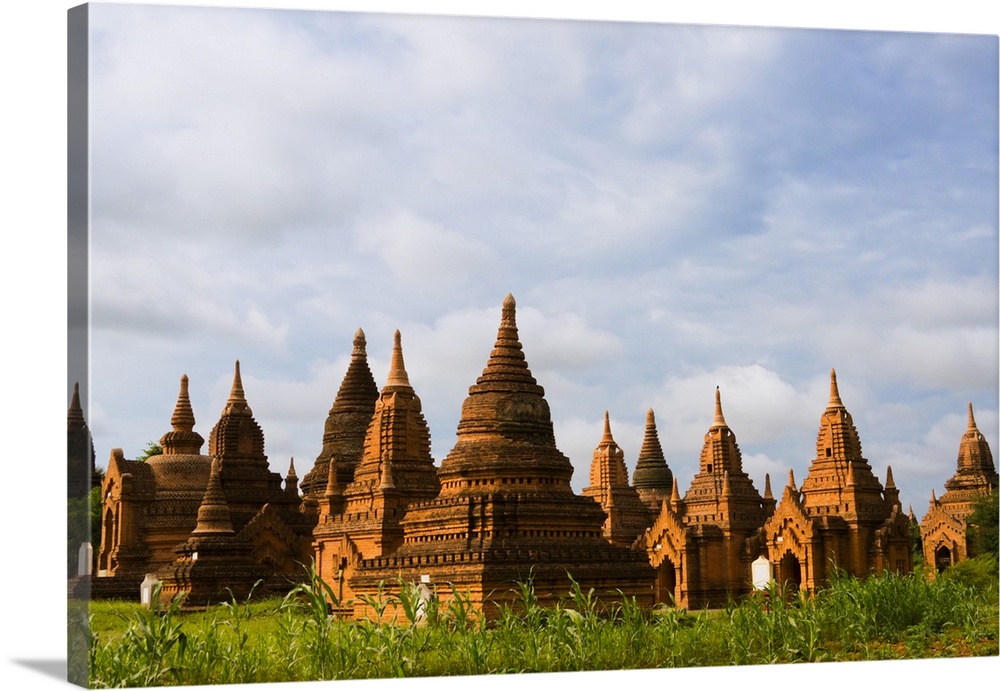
944 529
376 511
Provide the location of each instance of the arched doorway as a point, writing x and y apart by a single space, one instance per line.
942 558
790 573
666 583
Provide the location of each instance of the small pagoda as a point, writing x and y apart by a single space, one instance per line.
702 545
841 517
944 530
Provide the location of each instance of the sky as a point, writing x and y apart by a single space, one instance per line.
870 145
674 208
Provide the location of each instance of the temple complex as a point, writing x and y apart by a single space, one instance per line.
376 513
944 529
362 519
702 545
841 517
151 507
506 512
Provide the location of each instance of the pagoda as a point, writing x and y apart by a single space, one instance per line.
841 517
652 478
506 513
944 528
362 519
702 545
627 516
346 425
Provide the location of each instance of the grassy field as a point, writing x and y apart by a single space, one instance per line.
878 618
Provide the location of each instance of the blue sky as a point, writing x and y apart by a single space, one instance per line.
674 207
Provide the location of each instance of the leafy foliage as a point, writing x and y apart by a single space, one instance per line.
152 449
984 522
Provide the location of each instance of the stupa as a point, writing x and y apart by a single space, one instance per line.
627 516
346 425
944 529
841 517
506 513
702 545
362 520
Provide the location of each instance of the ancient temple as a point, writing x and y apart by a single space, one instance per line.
627 516
506 512
702 545
362 519
944 529
841 517
214 564
150 507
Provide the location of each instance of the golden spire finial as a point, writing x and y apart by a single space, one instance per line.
972 420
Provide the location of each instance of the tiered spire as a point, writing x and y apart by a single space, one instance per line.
397 370
397 445
507 368
213 514
652 477
182 439
346 423
974 455
74 417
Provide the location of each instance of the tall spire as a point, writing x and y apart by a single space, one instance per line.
182 439
237 402
397 370
719 420
507 368
607 438
75 416
183 417
972 420
835 401
767 486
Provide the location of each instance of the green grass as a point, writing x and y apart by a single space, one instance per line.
295 639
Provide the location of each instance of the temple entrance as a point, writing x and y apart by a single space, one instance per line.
666 583
942 559
790 573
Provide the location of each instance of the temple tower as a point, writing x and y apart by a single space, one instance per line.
722 513
855 524
652 478
362 518
346 424
81 467
214 564
944 529
506 511
627 516
149 507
